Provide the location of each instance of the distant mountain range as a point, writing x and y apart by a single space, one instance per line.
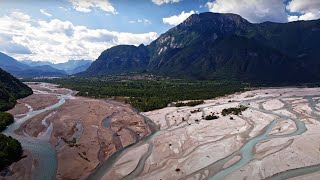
19 69
11 89
222 46
70 67
31 69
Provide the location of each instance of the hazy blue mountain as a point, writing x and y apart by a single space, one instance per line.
36 63
9 64
70 67
81 67
19 69
220 46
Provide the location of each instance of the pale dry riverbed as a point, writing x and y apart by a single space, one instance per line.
277 137
65 137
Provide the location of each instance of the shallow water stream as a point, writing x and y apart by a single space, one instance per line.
40 148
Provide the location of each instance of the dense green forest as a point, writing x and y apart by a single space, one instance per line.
11 89
5 120
146 95
10 151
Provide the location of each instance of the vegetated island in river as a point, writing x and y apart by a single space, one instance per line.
150 94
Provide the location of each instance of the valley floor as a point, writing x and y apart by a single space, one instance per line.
68 137
277 137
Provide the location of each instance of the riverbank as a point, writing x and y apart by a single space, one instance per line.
63 136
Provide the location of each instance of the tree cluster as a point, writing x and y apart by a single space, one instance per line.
190 103
10 151
234 110
5 120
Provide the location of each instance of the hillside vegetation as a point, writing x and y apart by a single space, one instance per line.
10 151
11 89
5 120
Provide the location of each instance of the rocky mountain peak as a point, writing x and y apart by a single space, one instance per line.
214 18
212 45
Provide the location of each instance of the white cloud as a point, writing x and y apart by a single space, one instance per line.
147 21
308 9
310 15
13 48
87 5
144 21
177 19
45 13
252 10
59 41
303 5
160 2
293 18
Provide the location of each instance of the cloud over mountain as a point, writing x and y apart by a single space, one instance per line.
60 40
177 19
82 29
308 9
253 10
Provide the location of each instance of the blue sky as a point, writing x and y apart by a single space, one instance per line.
59 30
127 10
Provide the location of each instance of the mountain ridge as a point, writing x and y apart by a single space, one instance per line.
214 46
69 67
19 69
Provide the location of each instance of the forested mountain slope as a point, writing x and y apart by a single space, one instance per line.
11 89
220 46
